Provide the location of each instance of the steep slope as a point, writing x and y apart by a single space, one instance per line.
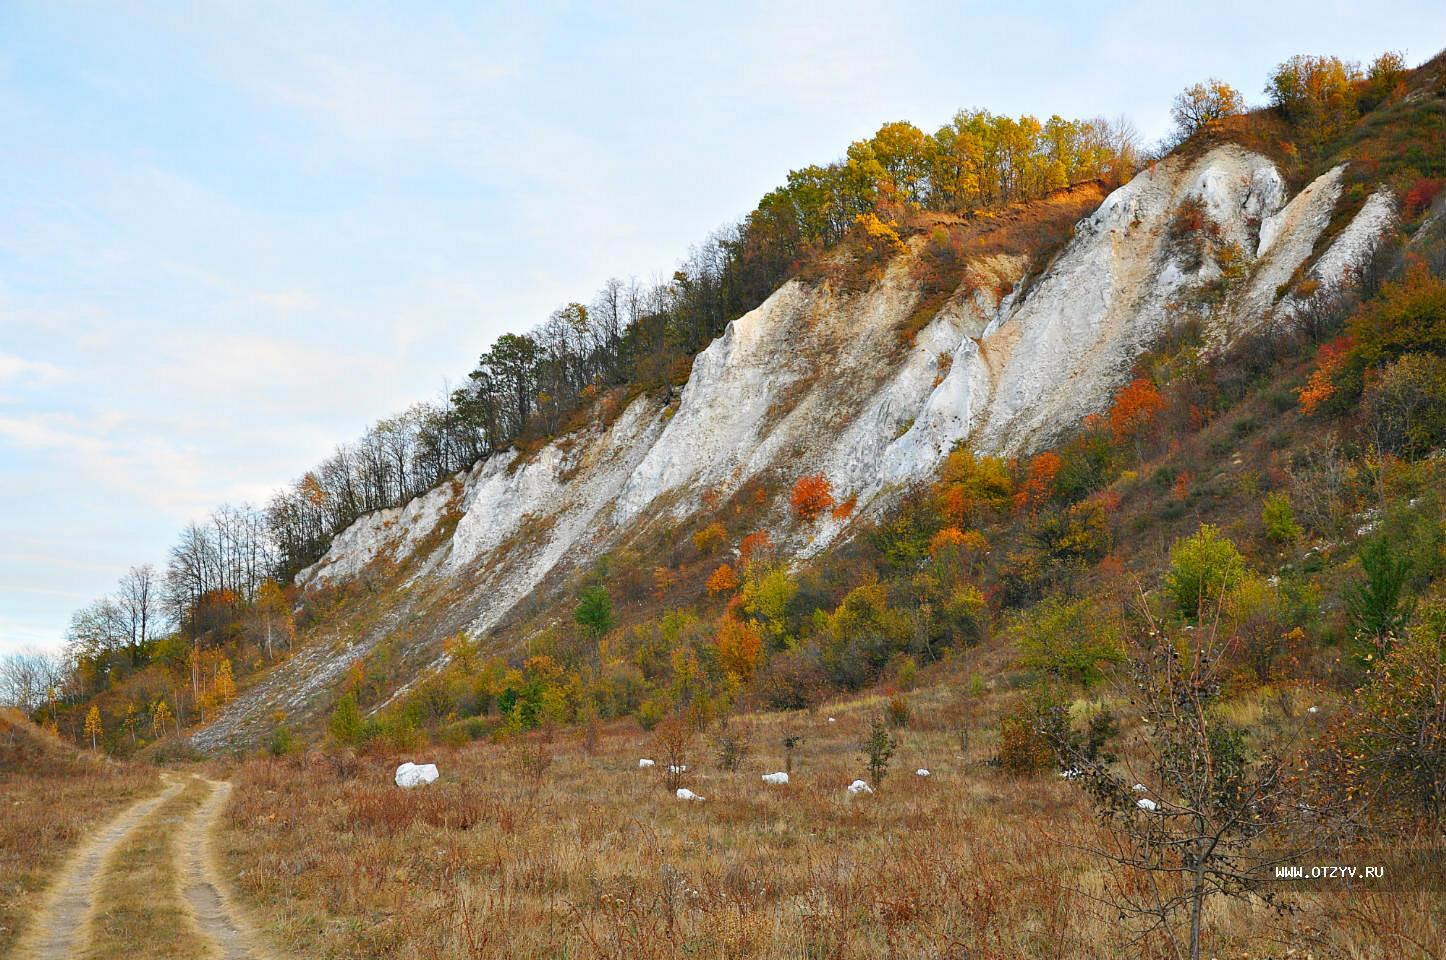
819 379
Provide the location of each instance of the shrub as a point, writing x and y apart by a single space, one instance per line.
731 747
1023 748
346 723
1408 316
1202 567
1404 410
1068 640
812 495
1394 734
1279 519
282 742
898 711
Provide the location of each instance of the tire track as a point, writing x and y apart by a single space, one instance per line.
56 930
203 888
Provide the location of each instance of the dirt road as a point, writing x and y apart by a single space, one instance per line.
65 926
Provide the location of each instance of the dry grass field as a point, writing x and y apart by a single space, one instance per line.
541 848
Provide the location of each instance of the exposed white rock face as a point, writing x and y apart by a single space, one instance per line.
397 530
817 380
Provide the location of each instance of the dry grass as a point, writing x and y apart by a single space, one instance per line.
51 798
140 911
598 859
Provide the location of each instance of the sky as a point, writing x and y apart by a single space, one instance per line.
233 235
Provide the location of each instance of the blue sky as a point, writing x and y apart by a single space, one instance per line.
233 234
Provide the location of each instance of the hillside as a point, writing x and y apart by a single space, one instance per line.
818 380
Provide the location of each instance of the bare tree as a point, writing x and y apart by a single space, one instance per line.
138 599
28 678
1191 809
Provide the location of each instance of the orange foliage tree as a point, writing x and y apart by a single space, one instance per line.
1321 386
754 546
1038 485
739 645
723 580
1135 408
812 495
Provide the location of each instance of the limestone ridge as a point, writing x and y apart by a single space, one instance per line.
818 380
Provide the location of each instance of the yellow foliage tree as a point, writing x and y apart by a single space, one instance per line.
93 727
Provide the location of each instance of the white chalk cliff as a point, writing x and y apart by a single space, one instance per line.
818 380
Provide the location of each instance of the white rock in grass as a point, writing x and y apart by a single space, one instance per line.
411 775
921 772
832 720
859 786
1313 710
1145 803
645 762
685 794
1139 788
779 777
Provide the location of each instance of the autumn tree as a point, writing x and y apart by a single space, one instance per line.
723 580
811 496
755 546
1317 94
275 624
710 539
93 725
739 647
1134 410
1038 485
1199 105
1203 566
161 718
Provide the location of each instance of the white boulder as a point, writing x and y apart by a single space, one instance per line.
779 777
685 794
1145 803
411 775
645 762
859 786
921 772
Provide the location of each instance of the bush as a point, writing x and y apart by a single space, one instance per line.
1023 747
1068 640
346 724
1203 567
282 742
1404 410
898 711
1376 605
1393 734
1279 519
